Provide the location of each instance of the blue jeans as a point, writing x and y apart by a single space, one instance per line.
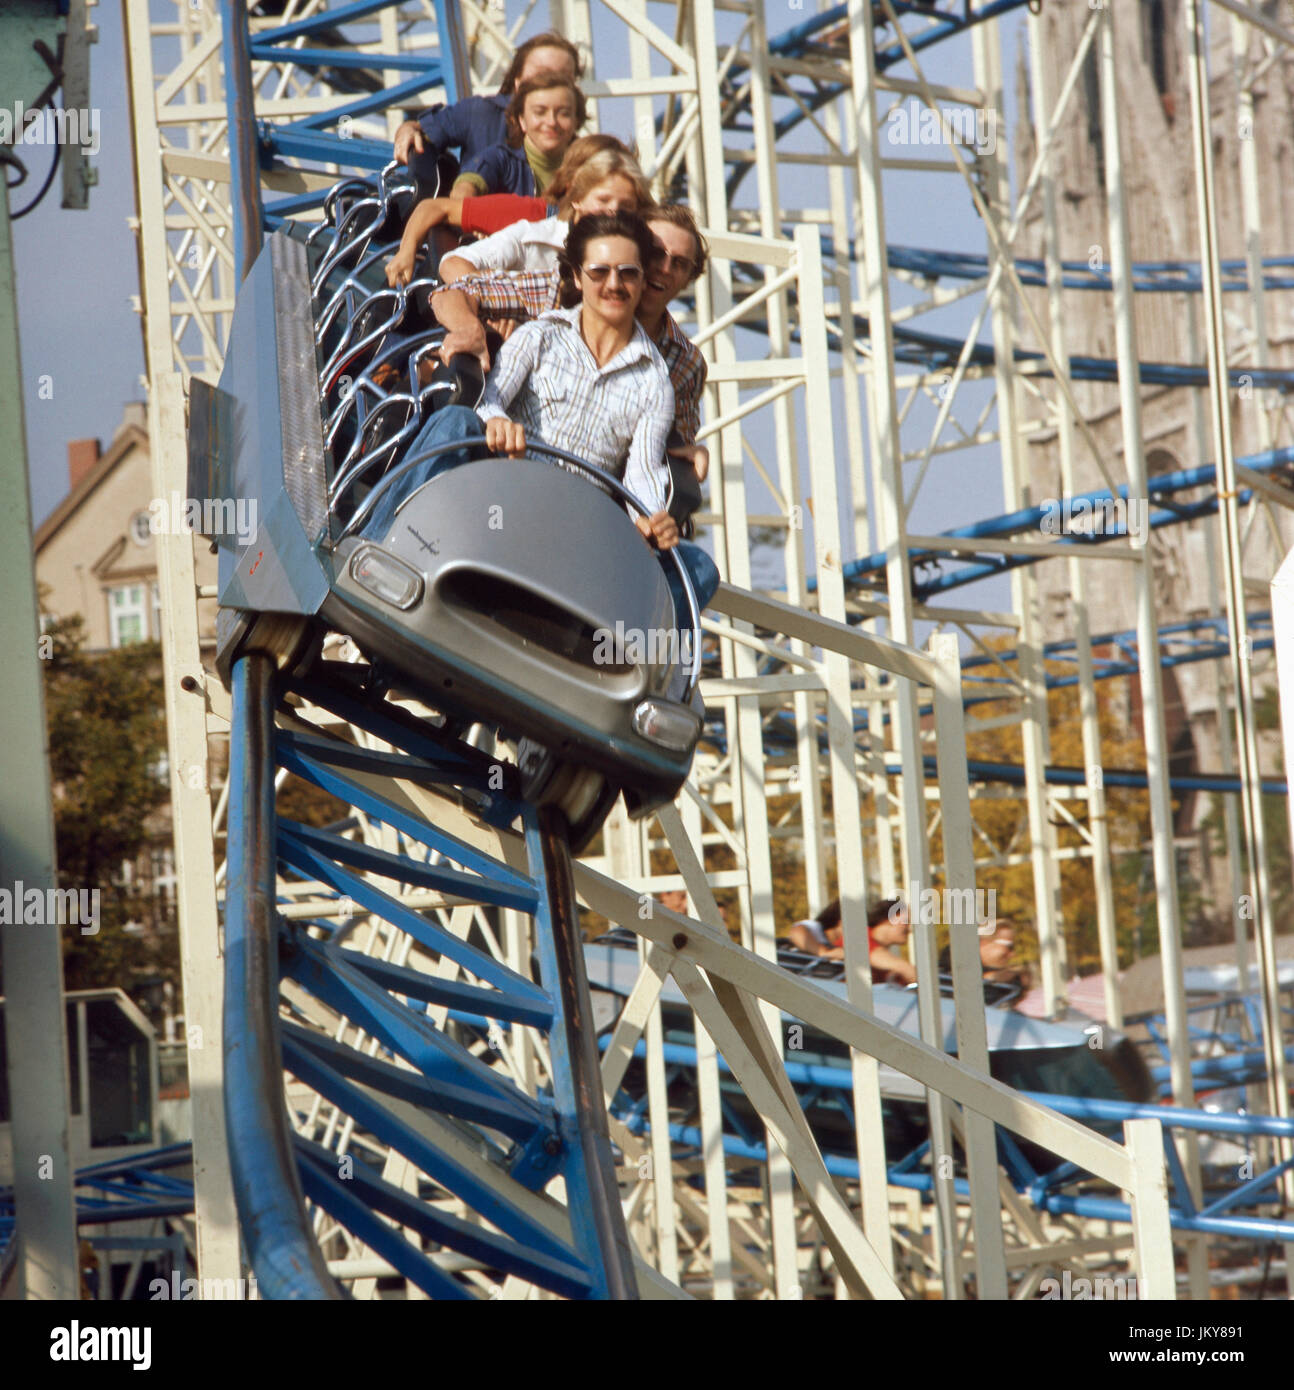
454 424
701 570
458 424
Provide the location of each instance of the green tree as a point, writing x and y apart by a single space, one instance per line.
1280 866
107 743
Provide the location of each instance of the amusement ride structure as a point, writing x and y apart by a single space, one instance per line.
475 1105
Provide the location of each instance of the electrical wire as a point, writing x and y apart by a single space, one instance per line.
49 178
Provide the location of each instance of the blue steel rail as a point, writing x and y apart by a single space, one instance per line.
1233 1211
138 1188
466 1125
1099 506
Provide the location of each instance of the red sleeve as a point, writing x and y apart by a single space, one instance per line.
495 211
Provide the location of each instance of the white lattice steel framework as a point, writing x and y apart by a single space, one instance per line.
814 414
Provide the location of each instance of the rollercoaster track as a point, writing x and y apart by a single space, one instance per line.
1148 277
827 35
267 1189
1163 513
333 990
940 352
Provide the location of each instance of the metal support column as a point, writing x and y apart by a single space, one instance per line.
1024 580
35 1035
892 534
184 683
1098 828
1233 579
1150 676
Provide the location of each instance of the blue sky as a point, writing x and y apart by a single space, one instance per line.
76 274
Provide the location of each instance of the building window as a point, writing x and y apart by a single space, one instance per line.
1092 94
1159 461
127 615
163 866
157 613
1154 43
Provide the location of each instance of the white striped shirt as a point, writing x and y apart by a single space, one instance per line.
617 417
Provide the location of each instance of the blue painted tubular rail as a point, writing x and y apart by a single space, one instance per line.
1236 1209
360 1031
140 1187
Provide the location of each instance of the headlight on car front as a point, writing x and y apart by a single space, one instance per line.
671 726
385 577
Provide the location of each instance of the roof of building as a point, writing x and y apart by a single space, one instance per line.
129 436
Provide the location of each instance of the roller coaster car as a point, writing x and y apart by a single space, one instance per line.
1028 1054
507 591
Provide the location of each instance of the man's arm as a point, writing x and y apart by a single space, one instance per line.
688 380
516 360
444 128
886 962
429 213
687 372
524 295
498 253
458 313
645 473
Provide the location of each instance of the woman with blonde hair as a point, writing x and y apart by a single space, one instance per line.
607 182
492 212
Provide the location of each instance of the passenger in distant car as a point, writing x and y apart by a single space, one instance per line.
996 947
476 123
822 935
887 929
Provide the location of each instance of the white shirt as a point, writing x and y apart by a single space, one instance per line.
523 246
617 416
814 928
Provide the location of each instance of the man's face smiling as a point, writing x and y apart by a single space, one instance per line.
612 299
670 270
995 951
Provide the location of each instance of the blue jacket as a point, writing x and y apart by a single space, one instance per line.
505 169
471 126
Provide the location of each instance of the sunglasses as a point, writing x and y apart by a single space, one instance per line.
629 274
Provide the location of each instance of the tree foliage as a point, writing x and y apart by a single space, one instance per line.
107 744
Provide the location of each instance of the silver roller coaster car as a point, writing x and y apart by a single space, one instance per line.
511 592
